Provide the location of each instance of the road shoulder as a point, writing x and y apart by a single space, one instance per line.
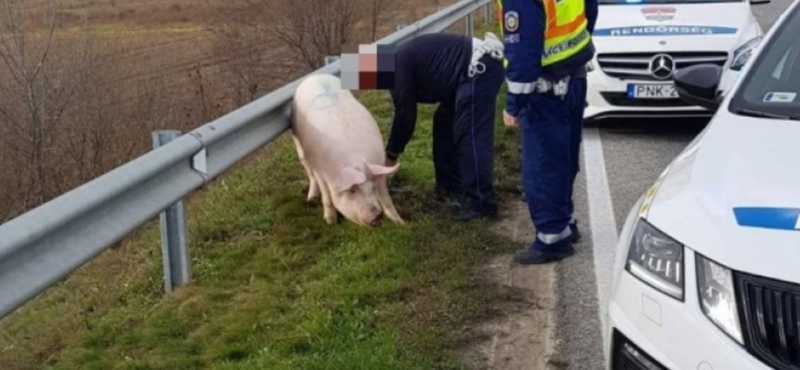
522 335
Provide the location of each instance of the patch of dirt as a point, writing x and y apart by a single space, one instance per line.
522 335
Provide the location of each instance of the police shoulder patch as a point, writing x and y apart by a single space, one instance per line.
511 21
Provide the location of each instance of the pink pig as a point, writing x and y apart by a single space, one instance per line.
341 148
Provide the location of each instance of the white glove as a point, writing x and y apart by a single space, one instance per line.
492 45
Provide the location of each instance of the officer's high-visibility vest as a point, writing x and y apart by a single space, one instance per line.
566 31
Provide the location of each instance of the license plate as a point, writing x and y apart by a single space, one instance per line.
652 91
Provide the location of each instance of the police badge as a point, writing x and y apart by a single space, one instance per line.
512 21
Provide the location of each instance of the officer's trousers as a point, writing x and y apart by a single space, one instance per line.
551 139
463 138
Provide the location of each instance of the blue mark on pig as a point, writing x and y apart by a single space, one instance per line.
326 99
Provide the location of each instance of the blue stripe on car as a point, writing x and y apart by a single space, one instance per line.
768 218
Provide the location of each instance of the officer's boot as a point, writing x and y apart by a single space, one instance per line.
576 232
537 253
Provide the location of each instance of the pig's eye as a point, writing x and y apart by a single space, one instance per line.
352 191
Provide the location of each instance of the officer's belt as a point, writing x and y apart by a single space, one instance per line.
559 87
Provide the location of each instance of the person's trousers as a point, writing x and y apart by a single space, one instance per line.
463 138
551 139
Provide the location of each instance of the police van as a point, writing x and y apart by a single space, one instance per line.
641 43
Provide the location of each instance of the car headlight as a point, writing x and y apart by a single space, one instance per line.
743 53
717 296
656 259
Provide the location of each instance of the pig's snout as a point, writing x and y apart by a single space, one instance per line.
375 216
377 220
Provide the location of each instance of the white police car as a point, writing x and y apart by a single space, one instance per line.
641 43
707 274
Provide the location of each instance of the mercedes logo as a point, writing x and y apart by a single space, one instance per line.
662 66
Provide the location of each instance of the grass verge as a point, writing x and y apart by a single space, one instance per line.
276 288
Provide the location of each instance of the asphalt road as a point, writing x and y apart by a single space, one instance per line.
620 161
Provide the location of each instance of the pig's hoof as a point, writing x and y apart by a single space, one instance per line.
397 220
331 219
395 217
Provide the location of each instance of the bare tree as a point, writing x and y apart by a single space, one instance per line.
274 41
257 61
37 93
112 122
312 29
376 8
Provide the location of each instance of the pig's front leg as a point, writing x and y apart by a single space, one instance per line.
386 202
313 188
327 202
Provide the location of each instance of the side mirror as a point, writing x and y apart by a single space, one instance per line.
759 2
698 85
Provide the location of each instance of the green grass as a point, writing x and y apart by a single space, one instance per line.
274 287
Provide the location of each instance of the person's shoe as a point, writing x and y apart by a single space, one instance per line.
468 214
450 197
454 203
576 233
529 256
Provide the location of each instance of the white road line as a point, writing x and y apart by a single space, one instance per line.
601 218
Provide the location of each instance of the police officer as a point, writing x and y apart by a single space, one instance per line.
463 75
548 45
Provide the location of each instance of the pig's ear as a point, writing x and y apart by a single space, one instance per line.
377 170
349 177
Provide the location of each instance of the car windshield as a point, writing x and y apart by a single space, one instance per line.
651 2
772 85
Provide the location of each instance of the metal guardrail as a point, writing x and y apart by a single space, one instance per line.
44 245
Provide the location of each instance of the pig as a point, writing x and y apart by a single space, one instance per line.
340 146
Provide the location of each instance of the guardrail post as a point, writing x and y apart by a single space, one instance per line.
174 243
470 24
487 13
